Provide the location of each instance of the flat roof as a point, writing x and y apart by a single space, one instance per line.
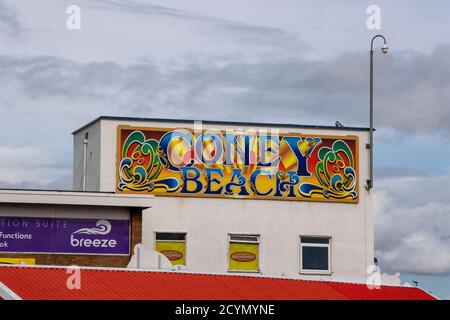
77 198
229 123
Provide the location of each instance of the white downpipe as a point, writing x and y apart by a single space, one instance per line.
85 143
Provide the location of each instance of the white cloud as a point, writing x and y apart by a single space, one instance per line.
413 234
29 166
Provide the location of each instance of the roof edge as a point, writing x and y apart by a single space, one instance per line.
7 294
53 197
243 275
428 292
217 122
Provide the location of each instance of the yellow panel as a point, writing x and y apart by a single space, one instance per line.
244 256
28 261
174 251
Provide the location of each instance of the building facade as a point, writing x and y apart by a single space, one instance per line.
69 228
230 197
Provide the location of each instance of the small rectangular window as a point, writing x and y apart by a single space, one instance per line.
172 245
170 236
244 238
315 255
315 240
243 253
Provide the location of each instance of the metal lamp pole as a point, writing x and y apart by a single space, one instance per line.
385 50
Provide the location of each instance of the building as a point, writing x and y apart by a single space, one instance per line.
69 228
235 197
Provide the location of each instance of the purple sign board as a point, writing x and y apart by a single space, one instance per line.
67 236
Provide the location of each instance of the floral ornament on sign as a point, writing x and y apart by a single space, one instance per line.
335 173
141 165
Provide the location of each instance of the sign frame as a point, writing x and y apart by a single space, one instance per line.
4 253
118 157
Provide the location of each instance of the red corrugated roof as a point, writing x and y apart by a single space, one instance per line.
36 283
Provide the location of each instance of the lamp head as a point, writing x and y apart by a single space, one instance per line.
385 48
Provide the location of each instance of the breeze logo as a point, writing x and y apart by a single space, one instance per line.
92 237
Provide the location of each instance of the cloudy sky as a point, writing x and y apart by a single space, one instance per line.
269 61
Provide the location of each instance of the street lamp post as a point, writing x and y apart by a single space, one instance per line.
385 50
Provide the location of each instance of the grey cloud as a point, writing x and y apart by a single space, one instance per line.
61 183
225 28
134 7
407 99
9 22
410 93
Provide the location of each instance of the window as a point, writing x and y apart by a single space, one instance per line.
172 245
315 255
243 253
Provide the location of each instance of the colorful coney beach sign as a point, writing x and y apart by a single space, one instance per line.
60 235
237 164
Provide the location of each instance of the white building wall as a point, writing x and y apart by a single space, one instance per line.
93 159
207 222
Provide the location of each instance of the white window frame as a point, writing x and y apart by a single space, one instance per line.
321 245
258 242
